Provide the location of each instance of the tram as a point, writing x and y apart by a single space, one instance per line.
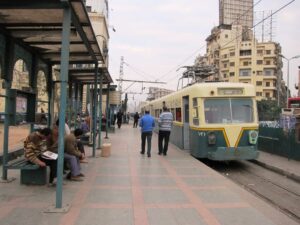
216 120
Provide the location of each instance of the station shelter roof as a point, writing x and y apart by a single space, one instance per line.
37 25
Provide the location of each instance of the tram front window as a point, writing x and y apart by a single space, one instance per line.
227 110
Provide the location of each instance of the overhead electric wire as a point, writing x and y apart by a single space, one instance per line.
137 72
278 10
193 54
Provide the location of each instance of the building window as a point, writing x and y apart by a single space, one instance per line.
231 74
268 52
232 54
267 95
245 52
258 83
268 72
260 52
268 62
245 63
231 64
225 65
226 35
258 94
259 62
267 84
245 72
224 75
259 72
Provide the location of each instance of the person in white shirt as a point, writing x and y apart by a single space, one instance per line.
165 123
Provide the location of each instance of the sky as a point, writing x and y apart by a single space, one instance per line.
157 37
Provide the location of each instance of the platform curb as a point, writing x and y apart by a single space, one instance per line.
278 170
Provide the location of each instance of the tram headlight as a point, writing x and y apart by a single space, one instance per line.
253 136
211 138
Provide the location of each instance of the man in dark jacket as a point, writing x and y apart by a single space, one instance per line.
135 119
119 118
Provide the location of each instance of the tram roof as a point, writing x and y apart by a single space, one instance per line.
37 26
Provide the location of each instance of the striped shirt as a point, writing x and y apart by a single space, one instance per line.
34 145
165 121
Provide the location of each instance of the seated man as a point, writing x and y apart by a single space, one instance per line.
78 134
34 145
71 159
72 150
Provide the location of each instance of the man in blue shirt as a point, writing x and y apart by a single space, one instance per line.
147 124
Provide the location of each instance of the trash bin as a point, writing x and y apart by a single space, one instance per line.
105 152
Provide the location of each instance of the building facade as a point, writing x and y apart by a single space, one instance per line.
239 57
238 12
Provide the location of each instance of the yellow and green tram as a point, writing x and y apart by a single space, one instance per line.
216 120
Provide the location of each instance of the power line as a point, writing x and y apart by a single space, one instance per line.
137 72
278 10
204 45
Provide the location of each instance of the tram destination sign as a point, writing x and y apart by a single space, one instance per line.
230 91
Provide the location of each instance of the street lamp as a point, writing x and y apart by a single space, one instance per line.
288 74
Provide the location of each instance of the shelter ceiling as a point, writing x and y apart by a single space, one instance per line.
38 24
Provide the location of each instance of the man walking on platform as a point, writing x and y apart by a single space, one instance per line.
165 122
135 119
147 124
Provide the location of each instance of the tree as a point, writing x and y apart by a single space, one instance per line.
268 110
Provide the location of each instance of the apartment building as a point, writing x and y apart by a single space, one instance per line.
239 57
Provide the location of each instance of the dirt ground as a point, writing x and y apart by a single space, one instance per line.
16 137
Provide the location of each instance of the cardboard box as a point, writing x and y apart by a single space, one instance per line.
105 152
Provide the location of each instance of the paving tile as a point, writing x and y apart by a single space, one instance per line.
109 196
217 196
156 181
105 217
26 216
161 196
152 171
180 216
113 180
202 181
113 171
189 171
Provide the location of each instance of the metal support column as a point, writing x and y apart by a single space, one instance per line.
107 111
64 81
70 104
50 90
77 123
9 65
95 109
100 111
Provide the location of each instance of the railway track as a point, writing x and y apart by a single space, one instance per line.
278 190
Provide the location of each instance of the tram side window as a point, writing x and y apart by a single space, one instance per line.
173 111
178 114
195 116
195 112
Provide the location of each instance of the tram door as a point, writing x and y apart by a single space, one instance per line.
186 123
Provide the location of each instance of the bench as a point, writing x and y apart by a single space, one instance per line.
30 173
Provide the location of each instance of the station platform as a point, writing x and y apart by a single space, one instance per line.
128 188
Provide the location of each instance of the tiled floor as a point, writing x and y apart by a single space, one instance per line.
130 189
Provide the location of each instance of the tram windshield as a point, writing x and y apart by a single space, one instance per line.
229 110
